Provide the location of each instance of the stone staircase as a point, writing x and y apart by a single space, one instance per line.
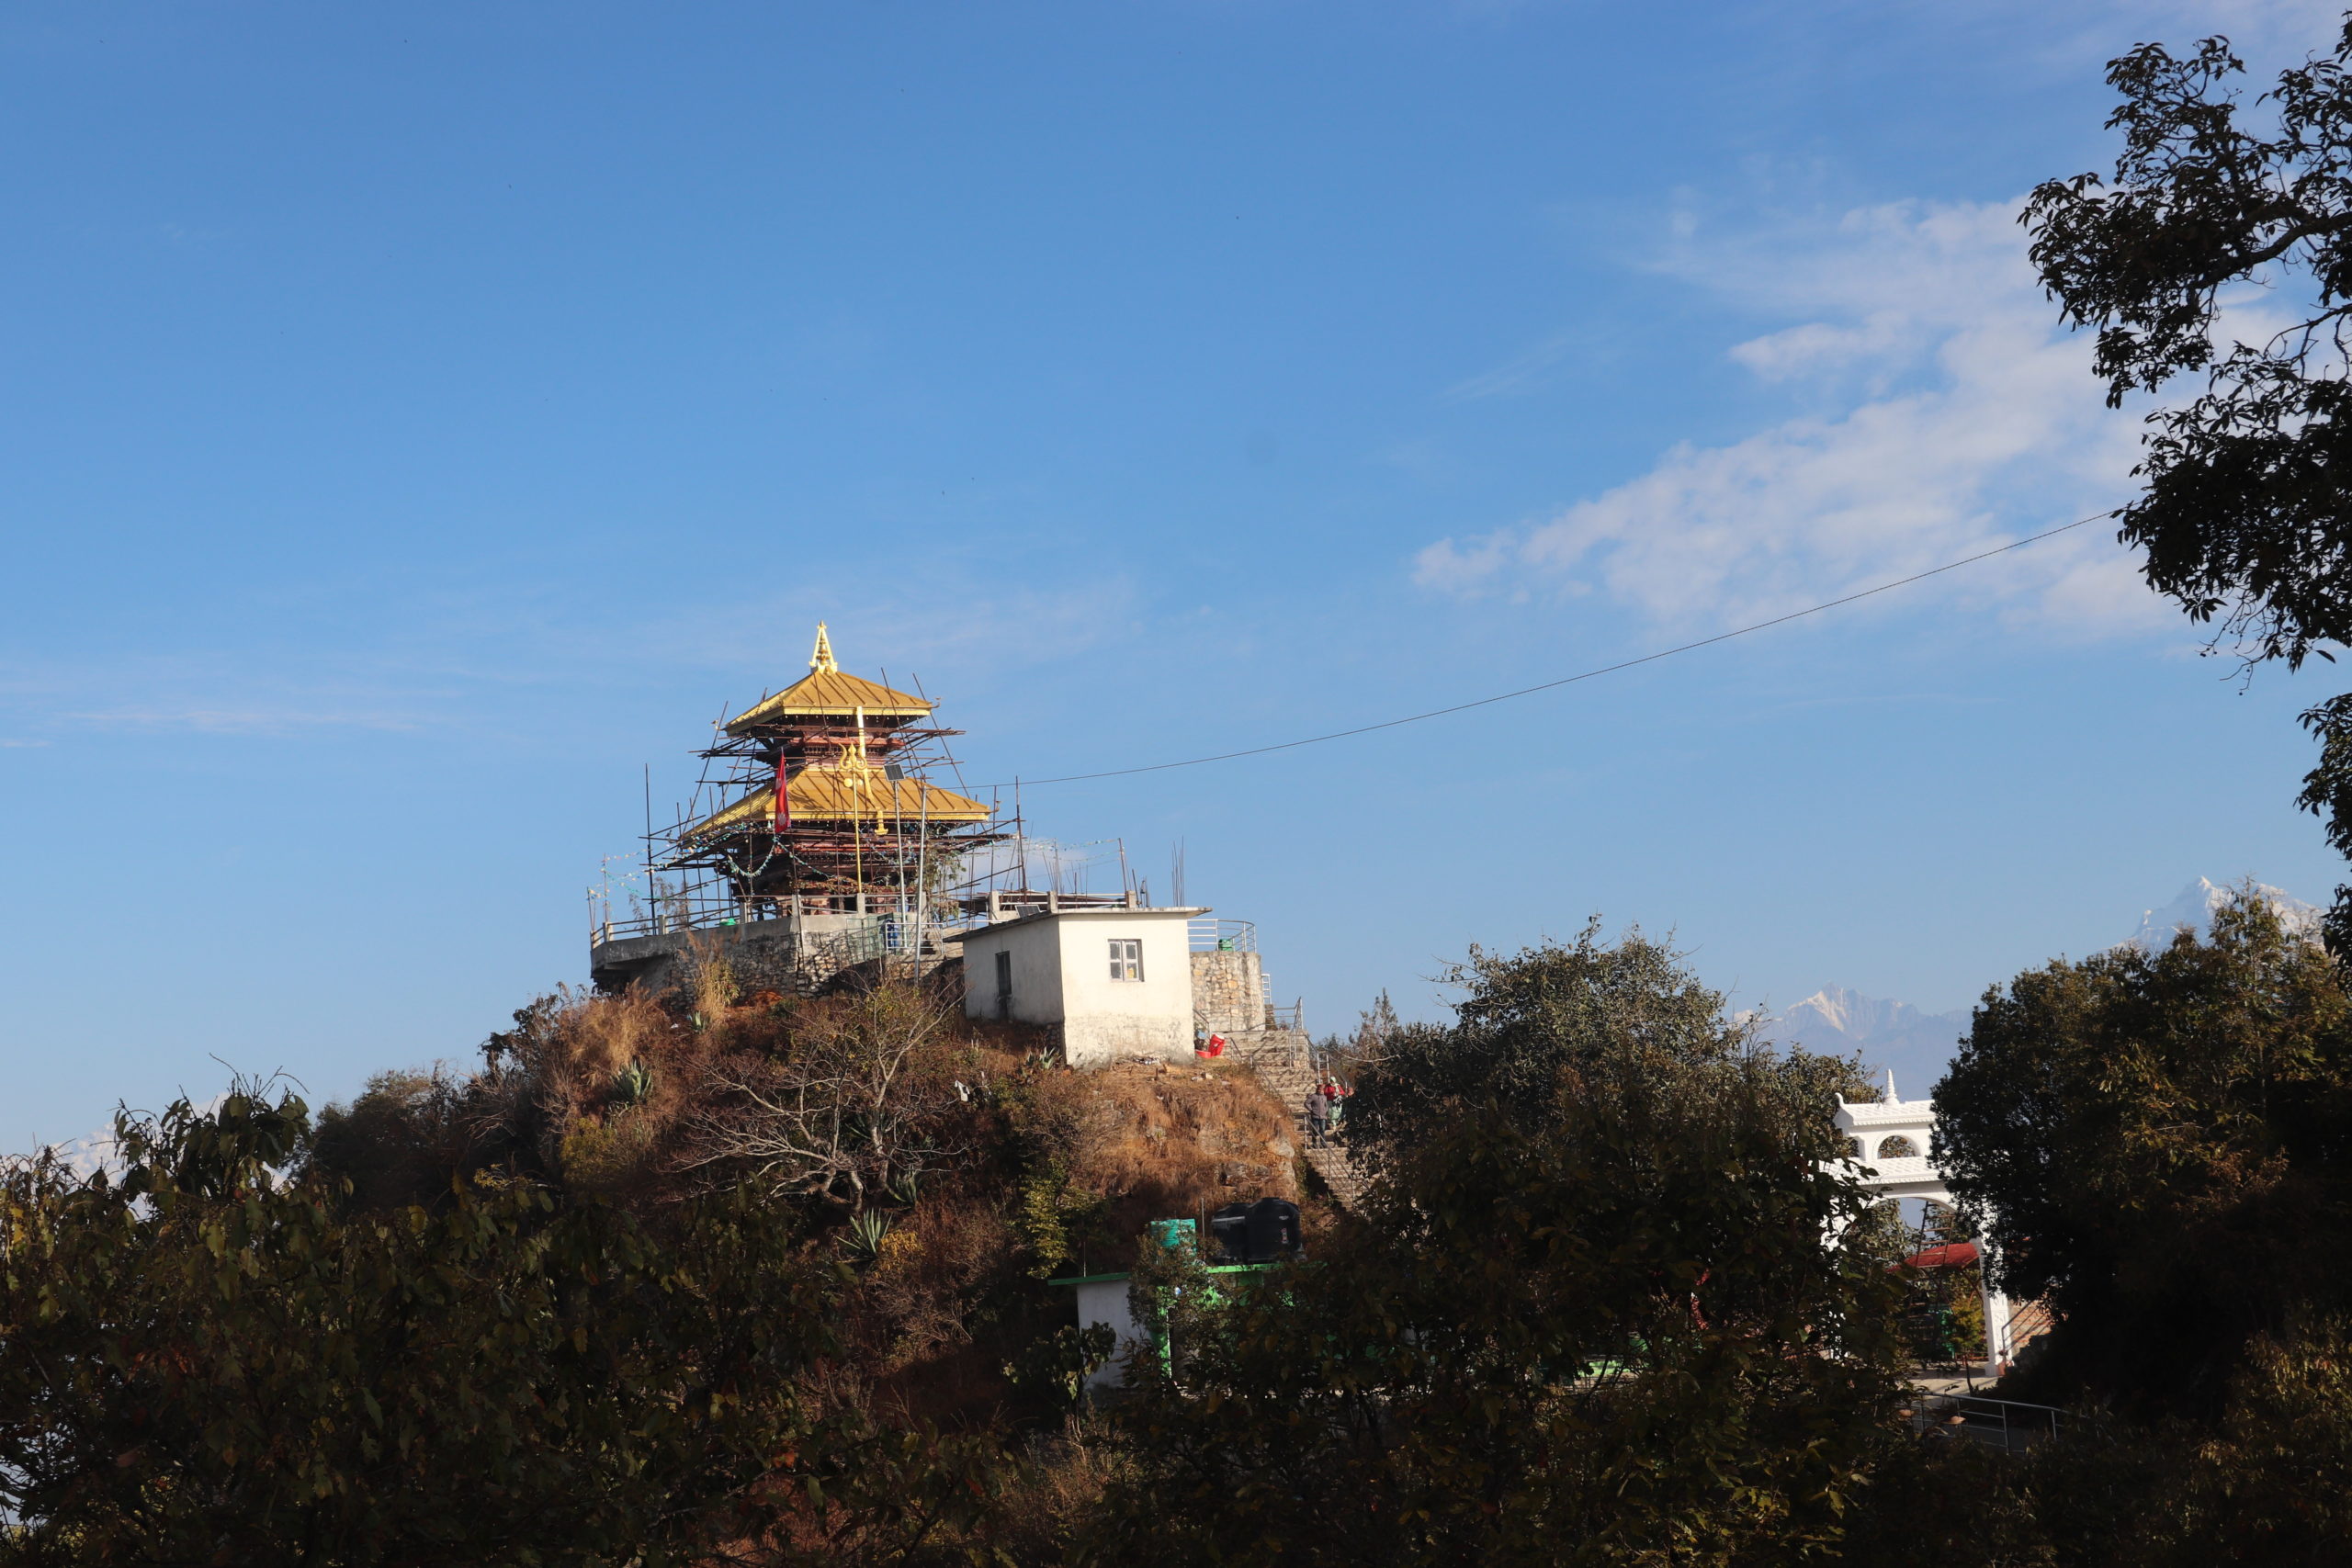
1339 1172
1279 1058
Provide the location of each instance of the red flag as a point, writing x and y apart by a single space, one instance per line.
780 809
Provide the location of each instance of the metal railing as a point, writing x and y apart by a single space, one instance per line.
879 934
1206 934
2009 1424
703 909
683 915
885 936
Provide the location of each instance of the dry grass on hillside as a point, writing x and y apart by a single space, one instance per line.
1177 1140
962 1170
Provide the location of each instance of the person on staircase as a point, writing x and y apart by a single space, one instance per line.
1318 1116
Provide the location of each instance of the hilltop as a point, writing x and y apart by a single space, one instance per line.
957 1165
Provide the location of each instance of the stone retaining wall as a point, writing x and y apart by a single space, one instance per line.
1228 993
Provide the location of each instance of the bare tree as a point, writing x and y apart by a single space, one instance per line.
858 1103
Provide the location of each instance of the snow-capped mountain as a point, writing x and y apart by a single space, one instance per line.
85 1156
88 1153
1919 1045
1850 1016
2194 909
1837 1022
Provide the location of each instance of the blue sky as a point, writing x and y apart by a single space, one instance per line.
413 420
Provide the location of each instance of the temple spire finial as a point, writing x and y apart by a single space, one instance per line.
1891 1096
821 662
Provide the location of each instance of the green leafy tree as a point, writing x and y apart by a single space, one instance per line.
2246 516
2161 1144
1618 1334
2266 1485
1527 1019
216 1357
1593 1311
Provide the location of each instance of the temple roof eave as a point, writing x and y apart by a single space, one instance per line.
905 800
829 694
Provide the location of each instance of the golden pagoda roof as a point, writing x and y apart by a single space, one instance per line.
825 692
830 694
829 793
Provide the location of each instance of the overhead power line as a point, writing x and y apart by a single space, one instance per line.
1581 675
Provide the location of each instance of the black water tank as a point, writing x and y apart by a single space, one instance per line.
1256 1232
1229 1228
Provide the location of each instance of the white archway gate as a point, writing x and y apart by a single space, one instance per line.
1891 1137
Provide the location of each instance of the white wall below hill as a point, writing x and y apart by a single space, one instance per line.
1104 1301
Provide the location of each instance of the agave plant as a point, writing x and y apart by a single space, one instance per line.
632 1084
866 1231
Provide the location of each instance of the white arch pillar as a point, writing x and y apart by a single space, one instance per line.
1870 1122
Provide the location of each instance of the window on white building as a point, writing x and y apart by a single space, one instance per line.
1126 958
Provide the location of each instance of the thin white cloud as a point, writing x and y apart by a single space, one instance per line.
951 626
1945 412
2266 34
512 665
1521 373
208 691
240 720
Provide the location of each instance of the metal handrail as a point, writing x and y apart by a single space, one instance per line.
706 915
2012 1426
1207 934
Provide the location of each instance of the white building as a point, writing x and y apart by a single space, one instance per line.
1891 1137
1110 980
1102 1303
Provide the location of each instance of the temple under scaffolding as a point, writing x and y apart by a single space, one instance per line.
831 812
819 844
815 841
